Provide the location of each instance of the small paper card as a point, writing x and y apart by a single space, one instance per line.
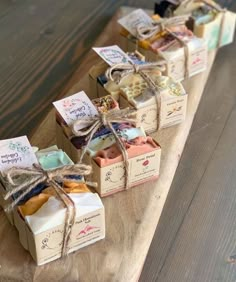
16 152
137 18
112 55
75 107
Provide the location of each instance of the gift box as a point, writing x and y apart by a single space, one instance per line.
101 148
218 32
144 164
40 215
156 110
64 118
208 20
184 53
109 171
100 85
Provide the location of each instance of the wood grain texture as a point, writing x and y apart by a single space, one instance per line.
208 128
131 217
214 111
42 44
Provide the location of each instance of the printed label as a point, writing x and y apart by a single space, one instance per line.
198 59
132 21
16 152
141 168
86 230
173 111
112 55
77 106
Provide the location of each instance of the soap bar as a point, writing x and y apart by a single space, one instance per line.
53 159
108 164
105 104
211 22
152 112
181 62
126 132
35 203
135 147
101 86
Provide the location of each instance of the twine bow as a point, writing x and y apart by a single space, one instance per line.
37 175
106 119
117 72
164 25
160 26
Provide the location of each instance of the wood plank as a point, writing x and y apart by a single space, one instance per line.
42 44
216 105
130 225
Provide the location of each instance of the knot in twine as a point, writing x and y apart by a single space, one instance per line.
126 69
164 25
119 71
161 25
37 175
106 119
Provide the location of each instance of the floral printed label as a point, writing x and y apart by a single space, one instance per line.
77 106
16 152
112 55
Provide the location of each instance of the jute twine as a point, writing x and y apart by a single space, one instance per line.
119 71
106 119
37 175
164 25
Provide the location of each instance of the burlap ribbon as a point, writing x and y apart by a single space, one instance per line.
37 175
117 72
106 120
164 25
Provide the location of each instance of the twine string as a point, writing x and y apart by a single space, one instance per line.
213 6
164 25
37 175
106 120
125 69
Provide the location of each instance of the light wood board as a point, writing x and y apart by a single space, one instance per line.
131 217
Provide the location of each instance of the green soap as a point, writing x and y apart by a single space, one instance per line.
54 159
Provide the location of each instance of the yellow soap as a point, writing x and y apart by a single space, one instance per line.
33 204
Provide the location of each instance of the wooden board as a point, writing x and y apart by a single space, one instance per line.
131 217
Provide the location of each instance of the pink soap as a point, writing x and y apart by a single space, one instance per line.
135 147
166 41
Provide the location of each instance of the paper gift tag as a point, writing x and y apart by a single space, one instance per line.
77 106
16 152
137 18
112 55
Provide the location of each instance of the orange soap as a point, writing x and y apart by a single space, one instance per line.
75 187
33 204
